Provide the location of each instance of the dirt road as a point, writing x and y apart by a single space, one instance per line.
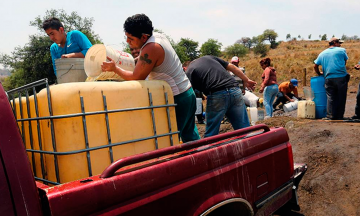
331 150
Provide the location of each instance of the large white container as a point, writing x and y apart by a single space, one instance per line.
306 109
290 106
70 70
97 54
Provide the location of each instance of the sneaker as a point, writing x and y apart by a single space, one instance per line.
326 118
355 117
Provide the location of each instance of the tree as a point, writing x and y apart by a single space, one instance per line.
261 49
309 36
211 47
324 37
288 36
299 36
191 48
246 41
181 52
256 40
33 61
236 50
270 35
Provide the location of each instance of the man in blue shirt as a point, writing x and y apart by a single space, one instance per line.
333 62
73 44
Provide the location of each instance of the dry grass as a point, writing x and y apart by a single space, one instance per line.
291 58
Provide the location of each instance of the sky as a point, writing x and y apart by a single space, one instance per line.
199 20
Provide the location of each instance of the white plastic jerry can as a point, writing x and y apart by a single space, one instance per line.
306 109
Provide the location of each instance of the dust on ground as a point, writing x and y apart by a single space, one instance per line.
331 186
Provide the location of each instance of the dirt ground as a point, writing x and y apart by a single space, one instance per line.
331 186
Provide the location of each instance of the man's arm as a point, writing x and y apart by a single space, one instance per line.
151 56
73 55
247 82
316 68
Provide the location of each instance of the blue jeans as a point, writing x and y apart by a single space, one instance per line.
227 102
270 93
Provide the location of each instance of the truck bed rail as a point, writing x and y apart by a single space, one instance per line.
110 170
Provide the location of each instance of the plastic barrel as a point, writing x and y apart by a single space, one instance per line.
97 54
318 86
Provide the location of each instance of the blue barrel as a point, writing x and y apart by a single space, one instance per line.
318 87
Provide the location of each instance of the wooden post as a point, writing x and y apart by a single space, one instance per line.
304 77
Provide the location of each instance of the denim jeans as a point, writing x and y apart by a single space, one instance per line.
225 102
270 93
280 98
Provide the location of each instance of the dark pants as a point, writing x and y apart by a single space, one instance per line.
336 91
281 98
357 107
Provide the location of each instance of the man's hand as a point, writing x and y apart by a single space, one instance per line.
108 66
67 55
250 84
357 67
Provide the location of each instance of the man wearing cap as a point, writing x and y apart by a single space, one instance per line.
333 62
287 90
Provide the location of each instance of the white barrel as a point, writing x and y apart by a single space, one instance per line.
198 106
250 99
70 70
290 106
97 54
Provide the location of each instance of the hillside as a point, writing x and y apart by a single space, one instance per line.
290 58
4 72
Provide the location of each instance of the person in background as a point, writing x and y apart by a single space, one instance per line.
209 74
159 61
235 61
268 86
200 117
287 90
333 62
250 98
73 44
357 107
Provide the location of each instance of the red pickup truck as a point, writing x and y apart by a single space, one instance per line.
244 172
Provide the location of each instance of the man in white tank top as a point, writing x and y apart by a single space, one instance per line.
158 61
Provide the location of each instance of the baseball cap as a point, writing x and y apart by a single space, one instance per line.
334 39
235 59
294 82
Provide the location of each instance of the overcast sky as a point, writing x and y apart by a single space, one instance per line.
199 20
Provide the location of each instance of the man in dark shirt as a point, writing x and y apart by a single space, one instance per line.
209 75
